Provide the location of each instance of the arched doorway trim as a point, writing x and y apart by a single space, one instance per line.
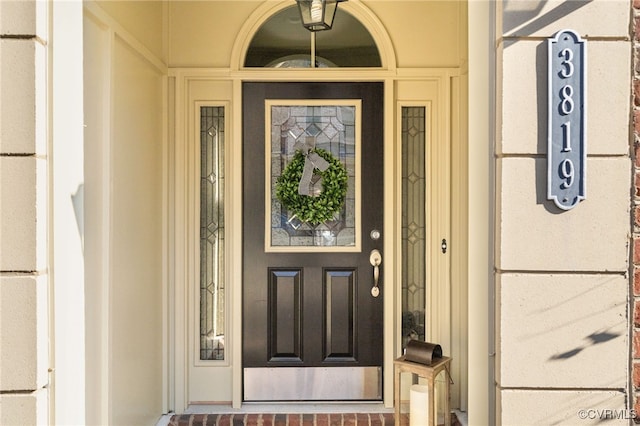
354 7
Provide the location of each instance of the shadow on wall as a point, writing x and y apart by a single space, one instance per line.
77 200
592 340
518 12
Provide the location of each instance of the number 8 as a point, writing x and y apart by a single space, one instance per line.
566 103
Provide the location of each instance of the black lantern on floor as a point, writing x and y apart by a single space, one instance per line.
317 15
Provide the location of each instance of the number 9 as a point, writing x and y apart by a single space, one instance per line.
567 172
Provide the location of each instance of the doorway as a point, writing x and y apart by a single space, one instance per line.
312 295
437 91
199 72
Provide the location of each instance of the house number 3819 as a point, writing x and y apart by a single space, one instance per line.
566 153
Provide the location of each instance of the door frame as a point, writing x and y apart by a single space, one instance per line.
188 88
366 98
390 298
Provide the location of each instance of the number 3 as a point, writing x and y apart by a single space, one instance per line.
567 55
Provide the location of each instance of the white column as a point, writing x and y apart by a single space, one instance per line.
481 119
66 102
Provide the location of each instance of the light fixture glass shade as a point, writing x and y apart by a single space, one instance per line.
317 15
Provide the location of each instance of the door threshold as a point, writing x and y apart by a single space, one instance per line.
291 407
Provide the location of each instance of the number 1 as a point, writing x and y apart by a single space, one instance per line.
566 136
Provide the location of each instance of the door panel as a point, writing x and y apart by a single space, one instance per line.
340 308
285 315
309 318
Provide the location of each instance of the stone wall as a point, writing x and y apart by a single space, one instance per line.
24 354
562 277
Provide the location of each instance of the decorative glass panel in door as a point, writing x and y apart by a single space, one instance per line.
296 131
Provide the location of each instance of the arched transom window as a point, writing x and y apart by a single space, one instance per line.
282 42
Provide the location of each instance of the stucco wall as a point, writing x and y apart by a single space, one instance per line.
423 34
562 276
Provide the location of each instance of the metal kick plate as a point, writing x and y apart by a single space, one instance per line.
312 383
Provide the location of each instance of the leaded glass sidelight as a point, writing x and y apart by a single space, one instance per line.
212 277
413 223
326 125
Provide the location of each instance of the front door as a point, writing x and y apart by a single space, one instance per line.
312 297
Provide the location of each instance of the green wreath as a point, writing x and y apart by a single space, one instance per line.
313 209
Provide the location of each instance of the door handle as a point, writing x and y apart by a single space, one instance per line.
375 258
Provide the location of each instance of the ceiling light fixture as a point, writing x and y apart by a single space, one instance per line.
317 15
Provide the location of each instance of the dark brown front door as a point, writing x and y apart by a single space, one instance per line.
312 329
